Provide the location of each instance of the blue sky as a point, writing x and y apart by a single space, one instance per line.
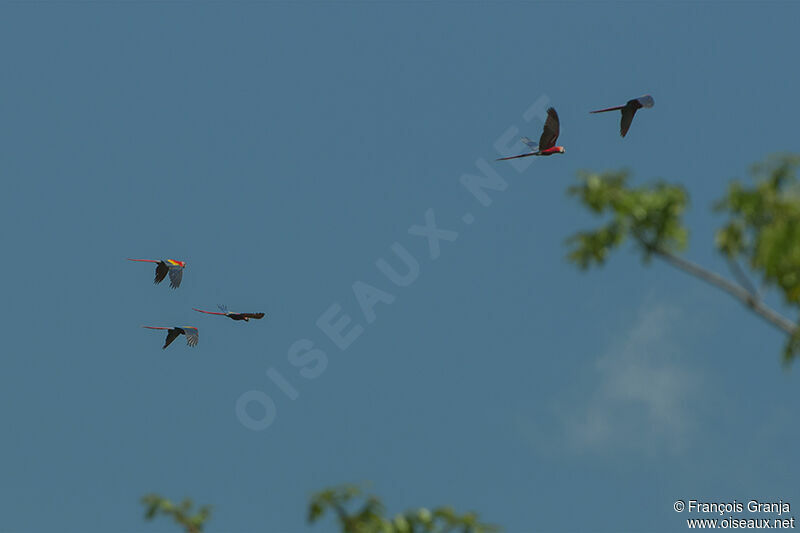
281 150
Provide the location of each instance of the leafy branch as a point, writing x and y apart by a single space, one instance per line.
183 513
370 516
762 232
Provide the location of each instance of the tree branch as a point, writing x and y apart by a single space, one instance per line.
747 298
742 278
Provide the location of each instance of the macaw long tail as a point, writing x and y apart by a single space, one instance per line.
516 156
617 108
144 260
207 312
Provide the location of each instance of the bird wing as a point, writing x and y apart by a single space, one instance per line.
646 101
253 315
161 272
627 119
532 145
172 334
175 276
551 130
192 336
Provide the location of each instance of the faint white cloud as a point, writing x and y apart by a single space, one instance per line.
637 397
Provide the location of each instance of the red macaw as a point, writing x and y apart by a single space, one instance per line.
547 142
235 316
628 110
172 267
192 335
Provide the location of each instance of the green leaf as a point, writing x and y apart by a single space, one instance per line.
650 215
763 226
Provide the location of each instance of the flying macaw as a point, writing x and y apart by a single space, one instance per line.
547 142
628 110
172 267
192 335
235 316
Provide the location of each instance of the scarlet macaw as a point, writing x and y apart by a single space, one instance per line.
192 335
235 316
628 110
547 142
165 266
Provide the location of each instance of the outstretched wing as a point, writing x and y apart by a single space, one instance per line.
223 308
532 145
646 101
172 334
175 276
253 315
627 119
161 272
192 336
551 130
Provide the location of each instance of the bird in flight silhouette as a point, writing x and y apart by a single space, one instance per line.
235 316
629 110
192 335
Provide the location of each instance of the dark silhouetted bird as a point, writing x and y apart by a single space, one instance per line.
192 335
629 110
235 316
